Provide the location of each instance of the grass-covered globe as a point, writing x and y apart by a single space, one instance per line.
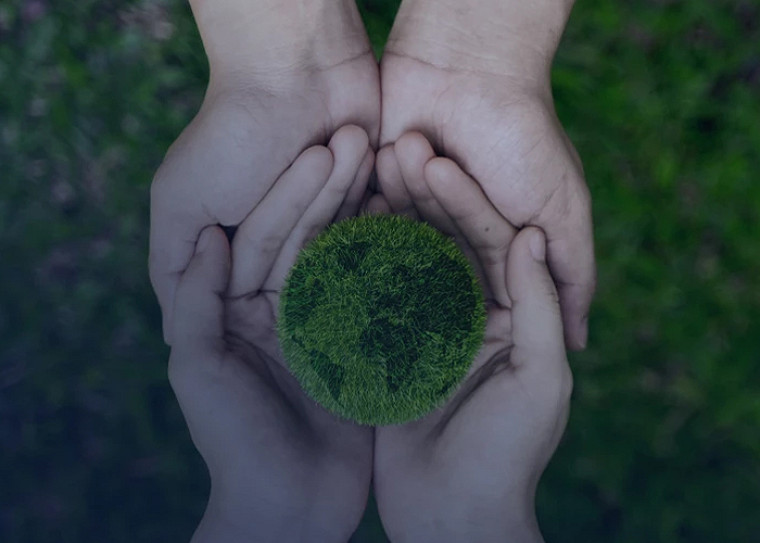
380 319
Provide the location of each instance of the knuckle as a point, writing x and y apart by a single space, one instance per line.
269 243
260 242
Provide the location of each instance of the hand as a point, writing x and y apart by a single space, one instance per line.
285 75
282 468
468 471
473 77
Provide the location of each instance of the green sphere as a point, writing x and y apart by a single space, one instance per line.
380 319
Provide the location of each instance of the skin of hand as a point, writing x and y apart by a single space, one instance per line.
473 76
282 468
469 470
284 76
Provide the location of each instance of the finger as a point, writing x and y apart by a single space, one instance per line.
355 197
537 332
198 325
570 254
413 151
392 183
260 237
192 186
349 148
377 205
486 231
172 242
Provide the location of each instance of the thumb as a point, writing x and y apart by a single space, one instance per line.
198 323
536 317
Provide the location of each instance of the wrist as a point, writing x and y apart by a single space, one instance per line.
231 520
526 531
264 37
500 37
506 517
219 526
239 512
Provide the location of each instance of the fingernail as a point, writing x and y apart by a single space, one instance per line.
538 246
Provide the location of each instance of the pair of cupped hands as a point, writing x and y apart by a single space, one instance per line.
284 145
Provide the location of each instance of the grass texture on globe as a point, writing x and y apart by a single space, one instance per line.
380 319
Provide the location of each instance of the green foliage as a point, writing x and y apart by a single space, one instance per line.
378 17
660 99
381 319
663 442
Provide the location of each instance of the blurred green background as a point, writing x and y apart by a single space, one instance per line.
662 99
